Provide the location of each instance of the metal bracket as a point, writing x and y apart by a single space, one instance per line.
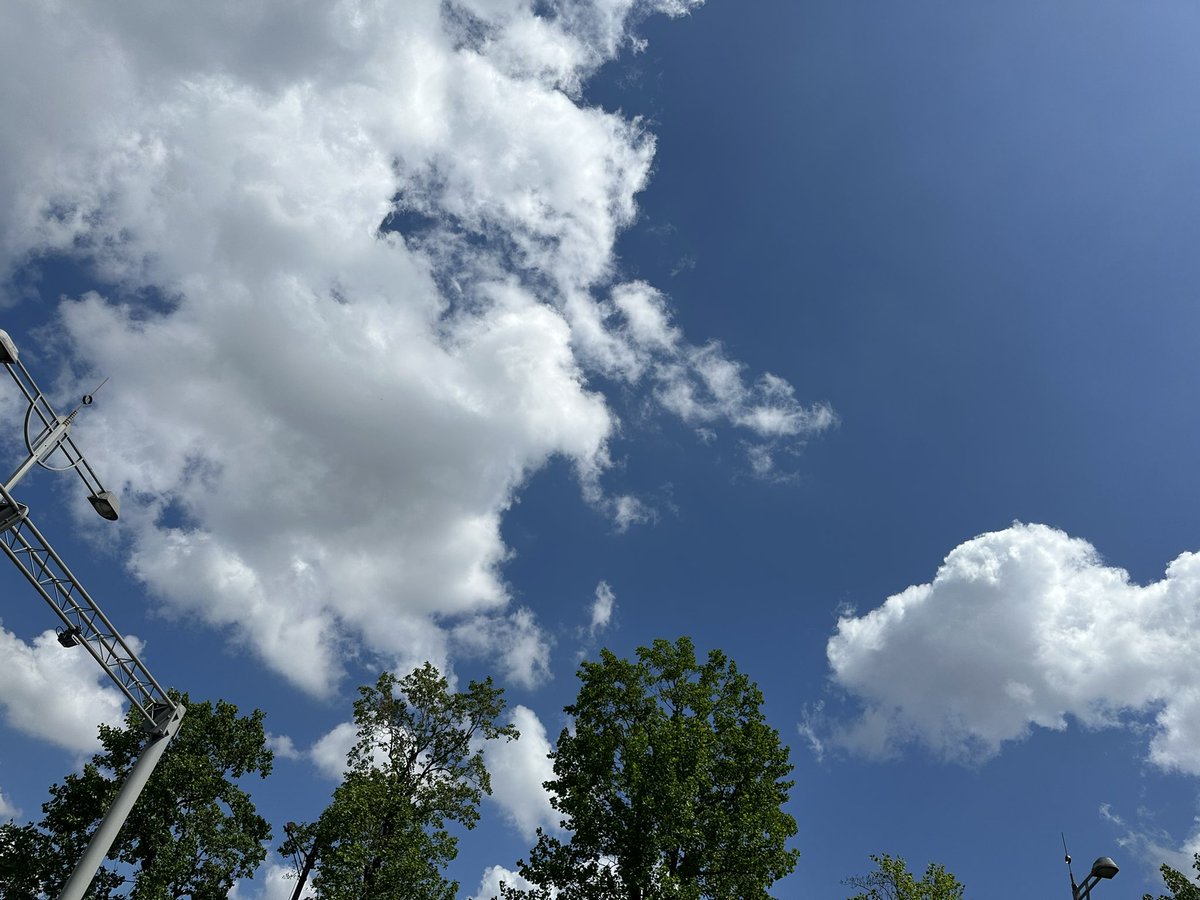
12 513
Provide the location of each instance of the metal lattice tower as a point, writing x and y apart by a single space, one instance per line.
84 622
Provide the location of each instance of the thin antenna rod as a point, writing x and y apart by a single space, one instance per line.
87 398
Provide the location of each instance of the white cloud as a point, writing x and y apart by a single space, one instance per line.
811 728
1021 628
57 694
518 770
1152 844
602 608
646 315
7 810
627 511
631 337
762 462
271 882
283 746
494 876
519 645
318 427
329 752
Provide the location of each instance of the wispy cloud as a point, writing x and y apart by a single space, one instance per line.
600 614
516 642
1152 844
812 727
7 810
603 604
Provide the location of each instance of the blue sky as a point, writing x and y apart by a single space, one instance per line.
853 339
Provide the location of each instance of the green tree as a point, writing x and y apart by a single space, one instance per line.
892 881
1178 884
193 832
416 767
24 852
670 785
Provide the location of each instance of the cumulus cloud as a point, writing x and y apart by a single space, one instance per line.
357 267
494 876
330 751
1023 628
57 694
519 769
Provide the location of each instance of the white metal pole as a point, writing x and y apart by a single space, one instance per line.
48 445
102 840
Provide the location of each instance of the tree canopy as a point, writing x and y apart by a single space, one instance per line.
670 784
417 765
192 833
1178 884
892 880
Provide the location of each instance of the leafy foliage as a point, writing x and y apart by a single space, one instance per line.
417 766
192 833
892 881
1178 884
671 785
24 851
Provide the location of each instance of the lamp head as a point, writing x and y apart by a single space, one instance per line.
107 504
8 350
1104 867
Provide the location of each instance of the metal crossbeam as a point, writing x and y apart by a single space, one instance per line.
85 622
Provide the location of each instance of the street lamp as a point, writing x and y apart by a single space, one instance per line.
84 623
1103 867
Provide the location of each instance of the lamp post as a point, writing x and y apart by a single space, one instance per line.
1103 867
84 623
